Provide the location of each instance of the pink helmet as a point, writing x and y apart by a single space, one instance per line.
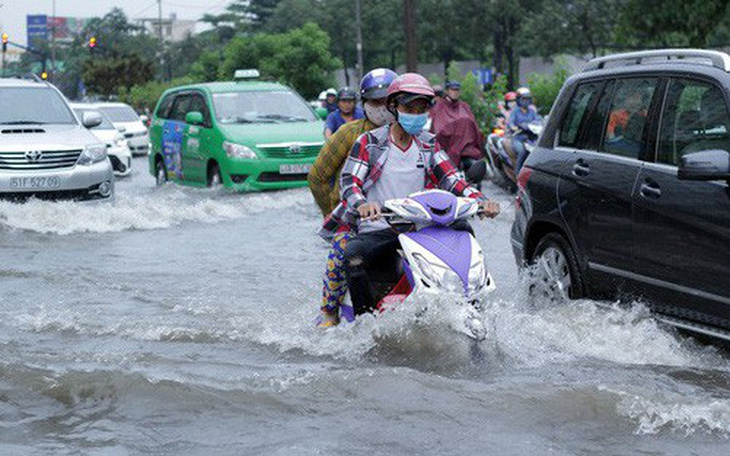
411 84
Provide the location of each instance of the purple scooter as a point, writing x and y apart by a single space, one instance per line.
436 258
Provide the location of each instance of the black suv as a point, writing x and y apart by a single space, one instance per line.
627 193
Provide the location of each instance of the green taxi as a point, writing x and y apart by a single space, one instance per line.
247 134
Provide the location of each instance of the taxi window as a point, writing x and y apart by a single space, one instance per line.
163 111
197 103
180 107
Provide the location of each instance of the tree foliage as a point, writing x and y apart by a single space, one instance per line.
299 58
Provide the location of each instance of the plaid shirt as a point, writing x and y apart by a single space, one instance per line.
324 176
364 167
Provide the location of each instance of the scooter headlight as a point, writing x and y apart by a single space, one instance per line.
439 275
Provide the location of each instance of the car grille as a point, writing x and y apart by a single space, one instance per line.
44 159
290 150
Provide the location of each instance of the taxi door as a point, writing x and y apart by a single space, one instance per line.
173 138
196 141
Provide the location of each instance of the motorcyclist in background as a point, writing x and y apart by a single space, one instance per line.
519 120
330 101
324 183
458 134
506 108
347 111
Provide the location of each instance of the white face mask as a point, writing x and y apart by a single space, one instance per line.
379 115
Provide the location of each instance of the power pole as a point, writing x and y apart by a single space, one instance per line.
162 39
410 24
53 39
358 29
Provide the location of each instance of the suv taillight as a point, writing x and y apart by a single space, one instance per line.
522 179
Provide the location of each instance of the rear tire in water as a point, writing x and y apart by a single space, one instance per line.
160 173
554 272
214 176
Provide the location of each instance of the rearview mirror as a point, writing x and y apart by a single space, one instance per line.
91 119
705 166
194 118
121 129
321 113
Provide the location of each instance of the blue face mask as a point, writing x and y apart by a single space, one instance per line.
412 123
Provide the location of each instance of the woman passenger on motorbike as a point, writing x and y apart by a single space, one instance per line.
392 161
324 177
518 123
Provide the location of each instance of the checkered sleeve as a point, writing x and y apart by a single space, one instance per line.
449 177
354 173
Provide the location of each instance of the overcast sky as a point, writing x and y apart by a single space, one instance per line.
13 12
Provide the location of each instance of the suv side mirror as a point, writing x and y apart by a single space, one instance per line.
321 113
121 129
91 119
194 118
705 166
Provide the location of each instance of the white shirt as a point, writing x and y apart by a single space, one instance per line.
403 173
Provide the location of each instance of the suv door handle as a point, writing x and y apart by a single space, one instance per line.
581 168
650 189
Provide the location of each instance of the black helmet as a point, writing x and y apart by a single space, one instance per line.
346 93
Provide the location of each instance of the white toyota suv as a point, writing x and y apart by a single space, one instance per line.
46 151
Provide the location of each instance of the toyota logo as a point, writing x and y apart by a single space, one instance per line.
295 148
33 156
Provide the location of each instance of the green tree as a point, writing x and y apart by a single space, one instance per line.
647 23
567 26
299 58
545 88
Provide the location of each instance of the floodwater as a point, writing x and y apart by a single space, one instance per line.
180 321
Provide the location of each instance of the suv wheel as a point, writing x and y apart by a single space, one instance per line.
555 275
214 175
160 173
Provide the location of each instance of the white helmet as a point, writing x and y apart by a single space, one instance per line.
524 92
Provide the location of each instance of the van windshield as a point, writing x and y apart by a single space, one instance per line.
261 107
33 105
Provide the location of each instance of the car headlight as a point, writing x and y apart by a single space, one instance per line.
92 154
477 274
237 151
439 275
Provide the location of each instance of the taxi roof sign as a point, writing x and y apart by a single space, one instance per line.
246 74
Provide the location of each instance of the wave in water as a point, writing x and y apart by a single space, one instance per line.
162 208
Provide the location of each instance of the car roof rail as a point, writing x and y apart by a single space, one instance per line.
717 59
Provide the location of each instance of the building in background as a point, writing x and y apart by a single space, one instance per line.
173 29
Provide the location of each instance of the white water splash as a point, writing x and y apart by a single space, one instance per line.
162 208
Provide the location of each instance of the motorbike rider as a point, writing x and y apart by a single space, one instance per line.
519 120
438 94
458 134
506 108
330 100
346 111
324 179
392 161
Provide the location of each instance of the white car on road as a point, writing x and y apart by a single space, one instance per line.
135 132
116 145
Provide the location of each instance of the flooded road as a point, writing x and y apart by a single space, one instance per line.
180 321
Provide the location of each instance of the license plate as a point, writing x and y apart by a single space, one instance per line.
295 169
32 183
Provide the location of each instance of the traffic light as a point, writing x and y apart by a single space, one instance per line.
44 75
5 42
92 43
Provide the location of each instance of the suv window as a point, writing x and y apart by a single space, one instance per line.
627 117
197 103
695 118
163 112
180 107
577 109
596 126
